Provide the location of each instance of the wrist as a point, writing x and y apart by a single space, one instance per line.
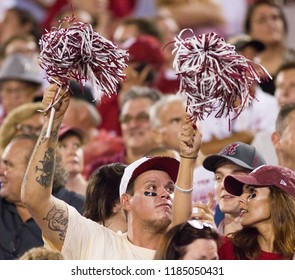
188 157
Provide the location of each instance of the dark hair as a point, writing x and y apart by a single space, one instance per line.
282 121
282 208
286 66
173 242
103 192
144 25
254 6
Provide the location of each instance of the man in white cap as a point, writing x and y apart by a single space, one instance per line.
146 191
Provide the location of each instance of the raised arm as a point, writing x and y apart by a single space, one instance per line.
190 139
49 212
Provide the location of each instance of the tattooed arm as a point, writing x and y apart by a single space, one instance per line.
49 212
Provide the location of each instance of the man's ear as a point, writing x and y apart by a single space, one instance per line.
275 138
125 201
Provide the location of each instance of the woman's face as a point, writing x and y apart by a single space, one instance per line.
267 25
201 249
255 206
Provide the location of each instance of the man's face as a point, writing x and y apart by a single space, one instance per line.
229 204
13 167
151 204
171 117
15 93
285 87
285 146
135 125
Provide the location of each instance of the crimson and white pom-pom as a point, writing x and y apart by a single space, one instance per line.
80 53
213 77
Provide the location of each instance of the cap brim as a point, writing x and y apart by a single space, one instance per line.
166 164
234 184
210 162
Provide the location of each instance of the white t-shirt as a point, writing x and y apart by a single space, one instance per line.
87 240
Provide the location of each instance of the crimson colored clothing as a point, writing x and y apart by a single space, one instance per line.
226 252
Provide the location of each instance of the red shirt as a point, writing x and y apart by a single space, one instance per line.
226 252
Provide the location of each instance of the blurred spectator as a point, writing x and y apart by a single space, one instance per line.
167 81
102 197
285 94
284 135
20 82
266 21
18 231
18 21
135 126
70 150
166 118
99 143
146 60
200 16
25 119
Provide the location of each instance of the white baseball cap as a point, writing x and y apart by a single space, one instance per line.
133 170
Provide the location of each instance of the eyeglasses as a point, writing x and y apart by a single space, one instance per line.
141 118
29 129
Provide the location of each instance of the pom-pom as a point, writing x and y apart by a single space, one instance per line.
213 77
80 53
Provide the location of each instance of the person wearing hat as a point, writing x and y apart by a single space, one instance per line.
146 193
70 150
267 214
235 158
20 82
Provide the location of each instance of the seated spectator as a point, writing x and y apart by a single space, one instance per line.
70 150
102 203
266 21
135 126
191 240
18 230
145 61
99 143
18 21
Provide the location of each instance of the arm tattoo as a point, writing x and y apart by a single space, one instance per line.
53 135
57 221
47 169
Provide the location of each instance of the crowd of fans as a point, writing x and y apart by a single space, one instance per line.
133 162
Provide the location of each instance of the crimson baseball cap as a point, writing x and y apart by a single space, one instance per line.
133 170
66 130
239 153
266 175
146 49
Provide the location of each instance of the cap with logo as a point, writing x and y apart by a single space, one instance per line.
133 170
239 153
266 175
